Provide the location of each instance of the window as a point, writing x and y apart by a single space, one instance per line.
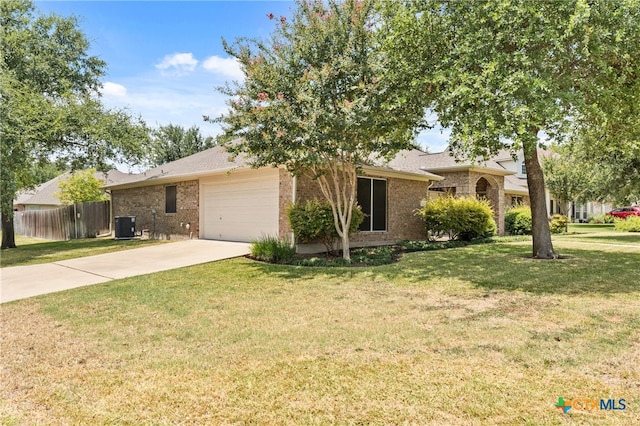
523 170
372 198
170 201
516 201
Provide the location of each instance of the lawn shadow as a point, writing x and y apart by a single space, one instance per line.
507 267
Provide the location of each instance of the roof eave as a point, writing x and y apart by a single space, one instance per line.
385 172
172 178
461 168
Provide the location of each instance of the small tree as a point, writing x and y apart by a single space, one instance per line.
317 98
80 187
568 180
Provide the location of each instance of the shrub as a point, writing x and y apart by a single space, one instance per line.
313 221
273 250
517 220
630 224
558 223
601 218
462 218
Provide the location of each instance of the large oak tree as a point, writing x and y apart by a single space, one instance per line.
515 74
50 108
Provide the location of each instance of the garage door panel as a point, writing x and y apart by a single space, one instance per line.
240 209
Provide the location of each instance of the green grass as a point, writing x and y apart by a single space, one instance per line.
467 336
31 251
590 227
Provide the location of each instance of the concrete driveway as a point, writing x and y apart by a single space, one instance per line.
21 282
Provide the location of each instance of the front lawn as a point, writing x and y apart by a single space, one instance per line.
468 336
31 251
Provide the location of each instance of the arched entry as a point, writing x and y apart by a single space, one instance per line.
489 189
482 188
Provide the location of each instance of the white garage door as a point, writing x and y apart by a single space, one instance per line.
241 206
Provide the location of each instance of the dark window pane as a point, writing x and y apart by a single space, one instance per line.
170 205
379 205
364 200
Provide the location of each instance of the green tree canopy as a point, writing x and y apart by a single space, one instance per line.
50 106
81 186
509 74
569 180
171 142
318 98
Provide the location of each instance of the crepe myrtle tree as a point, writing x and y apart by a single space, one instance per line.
516 74
317 98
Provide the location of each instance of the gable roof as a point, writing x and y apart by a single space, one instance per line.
217 160
444 161
45 193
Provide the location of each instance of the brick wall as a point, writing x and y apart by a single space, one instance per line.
141 202
286 199
465 183
403 198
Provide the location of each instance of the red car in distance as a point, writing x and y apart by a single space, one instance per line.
624 212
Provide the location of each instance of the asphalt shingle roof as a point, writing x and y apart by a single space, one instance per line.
45 194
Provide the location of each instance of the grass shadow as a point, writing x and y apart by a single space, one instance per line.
507 267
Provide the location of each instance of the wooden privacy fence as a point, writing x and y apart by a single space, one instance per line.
81 220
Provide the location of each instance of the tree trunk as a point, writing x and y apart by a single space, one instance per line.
542 245
338 185
8 233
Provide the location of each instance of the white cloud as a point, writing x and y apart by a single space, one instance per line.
179 62
226 66
113 89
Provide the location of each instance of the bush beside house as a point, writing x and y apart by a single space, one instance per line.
312 221
460 218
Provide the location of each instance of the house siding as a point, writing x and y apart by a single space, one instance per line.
140 202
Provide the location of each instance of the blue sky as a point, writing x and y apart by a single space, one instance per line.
165 58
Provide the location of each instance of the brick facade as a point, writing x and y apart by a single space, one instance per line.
470 182
141 203
403 199
286 199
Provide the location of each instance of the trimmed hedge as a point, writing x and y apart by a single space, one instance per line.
630 224
517 220
558 223
460 218
601 218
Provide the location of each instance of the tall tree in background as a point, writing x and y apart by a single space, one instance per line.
171 142
508 74
318 99
50 104
569 180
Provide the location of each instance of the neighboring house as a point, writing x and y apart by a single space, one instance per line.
45 197
209 195
502 180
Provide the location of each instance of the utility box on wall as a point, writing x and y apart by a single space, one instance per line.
125 227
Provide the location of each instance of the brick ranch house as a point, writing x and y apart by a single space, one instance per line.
208 195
